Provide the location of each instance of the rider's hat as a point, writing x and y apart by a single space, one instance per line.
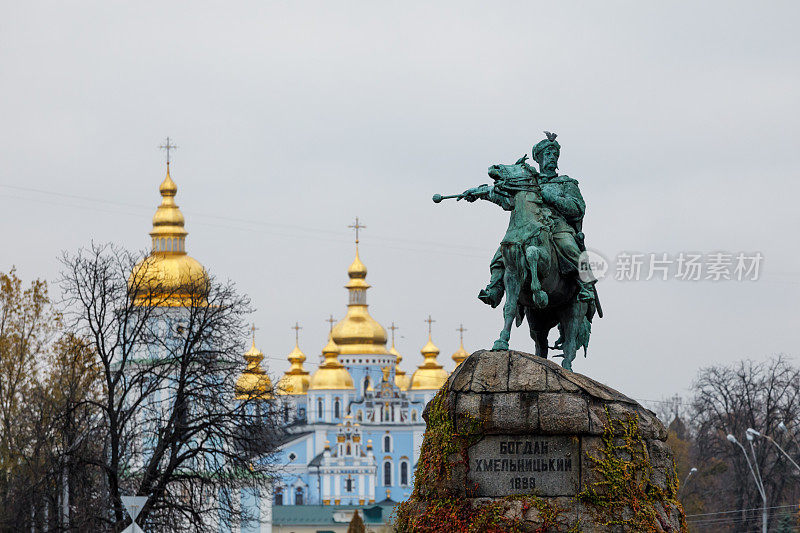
545 143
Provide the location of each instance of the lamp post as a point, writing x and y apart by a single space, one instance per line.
692 471
753 433
756 476
783 428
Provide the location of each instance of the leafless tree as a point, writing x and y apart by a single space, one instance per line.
728 400
169 427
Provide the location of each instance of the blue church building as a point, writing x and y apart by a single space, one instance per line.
355 425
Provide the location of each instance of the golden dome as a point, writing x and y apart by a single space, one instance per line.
460 355
296 380
168 277
358 332
357 269
254 382
430 375
331 373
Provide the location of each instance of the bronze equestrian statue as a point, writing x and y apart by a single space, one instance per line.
540 256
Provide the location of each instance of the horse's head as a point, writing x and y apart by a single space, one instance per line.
517 172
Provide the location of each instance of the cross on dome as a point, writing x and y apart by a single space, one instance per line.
297 327
356 226
461 329
168 146
430 322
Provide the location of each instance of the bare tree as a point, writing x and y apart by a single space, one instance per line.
730 399
170 427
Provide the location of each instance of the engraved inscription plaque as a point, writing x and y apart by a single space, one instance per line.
545 465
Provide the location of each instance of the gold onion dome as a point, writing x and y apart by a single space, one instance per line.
254 382
430 374
296 380
460 355
331 373
168 276
358 332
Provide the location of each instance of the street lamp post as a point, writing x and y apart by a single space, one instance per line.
692 471
756 477
783 428
753 433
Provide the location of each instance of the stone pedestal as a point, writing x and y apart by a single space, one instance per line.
515 442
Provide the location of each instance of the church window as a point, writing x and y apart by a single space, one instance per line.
336 409
366 384
301 413
298 496
292 456
413 416
161 245
387 443
349 449
279 496
359 416
348 484
387 473
169 245
319 408
404 473
285 412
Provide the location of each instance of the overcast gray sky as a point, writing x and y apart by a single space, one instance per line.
680 120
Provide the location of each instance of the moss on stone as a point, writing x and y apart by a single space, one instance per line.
625 495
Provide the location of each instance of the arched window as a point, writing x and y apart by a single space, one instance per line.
348 484
387 443
404 473
279 496
366 384
413 416
336 409
359 416
301 413
319 408
387 474
169 245
349 449
286 412
298 496
162 247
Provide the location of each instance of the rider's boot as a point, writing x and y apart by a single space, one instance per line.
493 293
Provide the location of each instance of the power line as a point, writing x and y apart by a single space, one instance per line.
741 510
314 231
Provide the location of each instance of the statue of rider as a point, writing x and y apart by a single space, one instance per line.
563 197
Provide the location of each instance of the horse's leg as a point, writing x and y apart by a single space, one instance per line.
534 256
571 318
538 334
512 281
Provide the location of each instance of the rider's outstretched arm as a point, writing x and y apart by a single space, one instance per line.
490 194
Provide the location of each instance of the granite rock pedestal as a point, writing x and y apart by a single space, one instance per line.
550 449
